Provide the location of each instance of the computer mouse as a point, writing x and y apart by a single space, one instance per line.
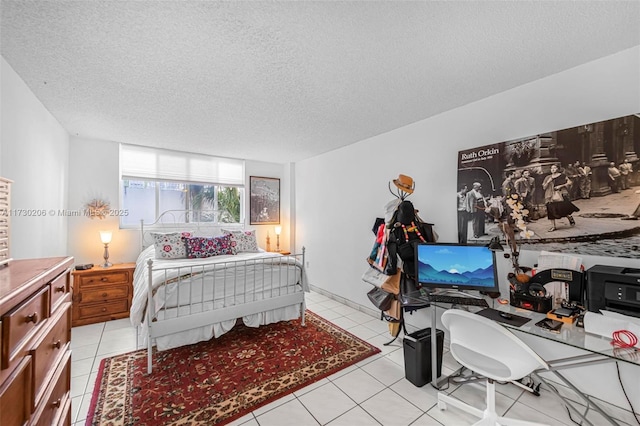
506 315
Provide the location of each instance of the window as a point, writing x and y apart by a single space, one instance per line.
154 181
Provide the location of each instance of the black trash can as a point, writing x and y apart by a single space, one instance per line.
417 356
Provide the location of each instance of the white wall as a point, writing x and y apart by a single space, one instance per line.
282 172
34 153
335 214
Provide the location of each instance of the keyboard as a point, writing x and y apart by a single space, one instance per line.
458 300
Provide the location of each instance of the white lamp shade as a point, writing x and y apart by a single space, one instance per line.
278 230
105 237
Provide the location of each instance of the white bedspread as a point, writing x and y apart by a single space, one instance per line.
235 282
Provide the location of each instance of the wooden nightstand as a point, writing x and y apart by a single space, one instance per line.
102 294
285 253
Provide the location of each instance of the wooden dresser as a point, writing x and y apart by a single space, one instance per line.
5 220
102 294
35 336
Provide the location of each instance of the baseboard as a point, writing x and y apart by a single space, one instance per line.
349 303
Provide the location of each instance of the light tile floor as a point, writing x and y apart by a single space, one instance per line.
372 392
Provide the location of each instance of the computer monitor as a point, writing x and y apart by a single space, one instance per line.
456 267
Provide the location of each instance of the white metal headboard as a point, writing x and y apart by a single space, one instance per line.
198 222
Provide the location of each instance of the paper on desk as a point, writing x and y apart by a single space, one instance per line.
621 317
605 325
551 260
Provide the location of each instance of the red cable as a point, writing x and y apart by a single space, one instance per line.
630 341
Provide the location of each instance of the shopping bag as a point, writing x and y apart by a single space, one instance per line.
380 298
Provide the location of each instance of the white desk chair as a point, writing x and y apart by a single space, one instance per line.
489 349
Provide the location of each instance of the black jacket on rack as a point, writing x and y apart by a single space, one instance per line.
406 231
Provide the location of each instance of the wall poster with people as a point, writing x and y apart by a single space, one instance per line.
580 188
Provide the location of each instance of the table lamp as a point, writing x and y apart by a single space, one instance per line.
278 232
105 237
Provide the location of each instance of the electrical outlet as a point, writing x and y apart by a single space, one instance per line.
307 263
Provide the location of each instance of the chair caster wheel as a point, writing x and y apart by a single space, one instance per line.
442 405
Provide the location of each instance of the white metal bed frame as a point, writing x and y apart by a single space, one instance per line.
277 298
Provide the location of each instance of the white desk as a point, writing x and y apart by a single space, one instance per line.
598 348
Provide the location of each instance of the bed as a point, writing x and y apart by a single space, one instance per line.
181 301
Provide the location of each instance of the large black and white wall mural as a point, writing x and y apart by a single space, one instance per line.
594 167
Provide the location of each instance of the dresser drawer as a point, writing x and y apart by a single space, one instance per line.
103 277
65 415
104 293
47 350
105 310
56 396
59 288
15 396
20 324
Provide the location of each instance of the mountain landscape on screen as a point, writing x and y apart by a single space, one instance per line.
481 276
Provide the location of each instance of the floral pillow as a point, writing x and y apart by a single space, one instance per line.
198 247
245 240
170 246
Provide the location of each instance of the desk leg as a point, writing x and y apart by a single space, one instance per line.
436 382
579 393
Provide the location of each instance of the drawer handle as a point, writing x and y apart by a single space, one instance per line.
57 344
104 279
60 289
32 318
104 309
104 294
56 403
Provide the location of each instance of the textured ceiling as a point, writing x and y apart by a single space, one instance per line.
284 81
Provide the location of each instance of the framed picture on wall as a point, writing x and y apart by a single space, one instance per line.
594 168
264 200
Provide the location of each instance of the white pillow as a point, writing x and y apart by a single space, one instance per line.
245 240
170 245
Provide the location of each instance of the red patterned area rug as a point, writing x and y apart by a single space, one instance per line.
223 379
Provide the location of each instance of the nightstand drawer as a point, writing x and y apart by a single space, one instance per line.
105 311
104 293
105 278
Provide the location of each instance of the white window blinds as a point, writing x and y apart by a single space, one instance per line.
160 164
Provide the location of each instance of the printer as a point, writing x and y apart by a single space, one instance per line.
614 288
